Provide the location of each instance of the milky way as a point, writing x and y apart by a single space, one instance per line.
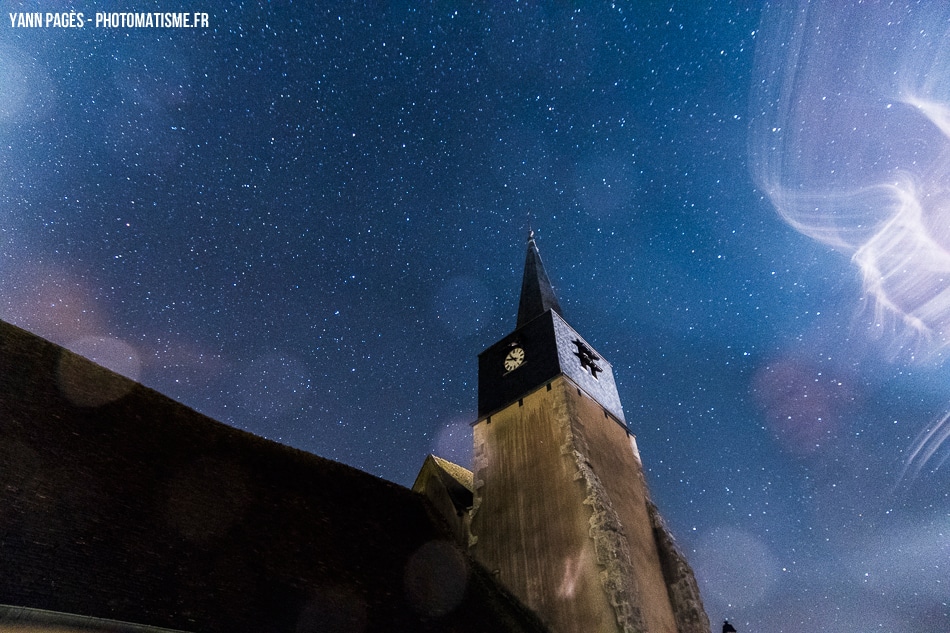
307 222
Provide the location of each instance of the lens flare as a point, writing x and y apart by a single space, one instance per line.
850 140
925 447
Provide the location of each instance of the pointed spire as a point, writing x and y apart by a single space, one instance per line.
537 295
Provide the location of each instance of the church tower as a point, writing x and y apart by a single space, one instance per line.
561 512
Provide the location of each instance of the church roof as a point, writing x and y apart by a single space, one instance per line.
120 503
459 473
537 294
455 482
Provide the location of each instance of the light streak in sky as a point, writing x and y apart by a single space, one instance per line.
925 447
850 140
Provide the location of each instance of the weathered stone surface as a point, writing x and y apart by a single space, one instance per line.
680 581
561 512
529 522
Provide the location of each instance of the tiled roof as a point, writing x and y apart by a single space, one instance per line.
458 473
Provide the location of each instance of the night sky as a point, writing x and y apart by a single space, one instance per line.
307 222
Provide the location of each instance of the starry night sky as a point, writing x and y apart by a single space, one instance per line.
307 222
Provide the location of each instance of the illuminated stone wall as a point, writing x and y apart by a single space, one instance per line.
561 514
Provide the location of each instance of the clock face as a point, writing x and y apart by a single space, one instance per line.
514 359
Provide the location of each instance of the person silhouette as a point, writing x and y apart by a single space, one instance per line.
728 628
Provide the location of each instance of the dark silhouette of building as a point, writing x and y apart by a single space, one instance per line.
119 505
140 510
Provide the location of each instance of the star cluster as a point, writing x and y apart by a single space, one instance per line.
307 221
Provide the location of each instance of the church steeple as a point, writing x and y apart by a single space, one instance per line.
560 510
542 347
537 294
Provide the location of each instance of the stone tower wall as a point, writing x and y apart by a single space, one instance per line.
560 512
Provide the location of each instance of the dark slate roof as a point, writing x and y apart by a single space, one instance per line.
120 503
27 620
537 294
